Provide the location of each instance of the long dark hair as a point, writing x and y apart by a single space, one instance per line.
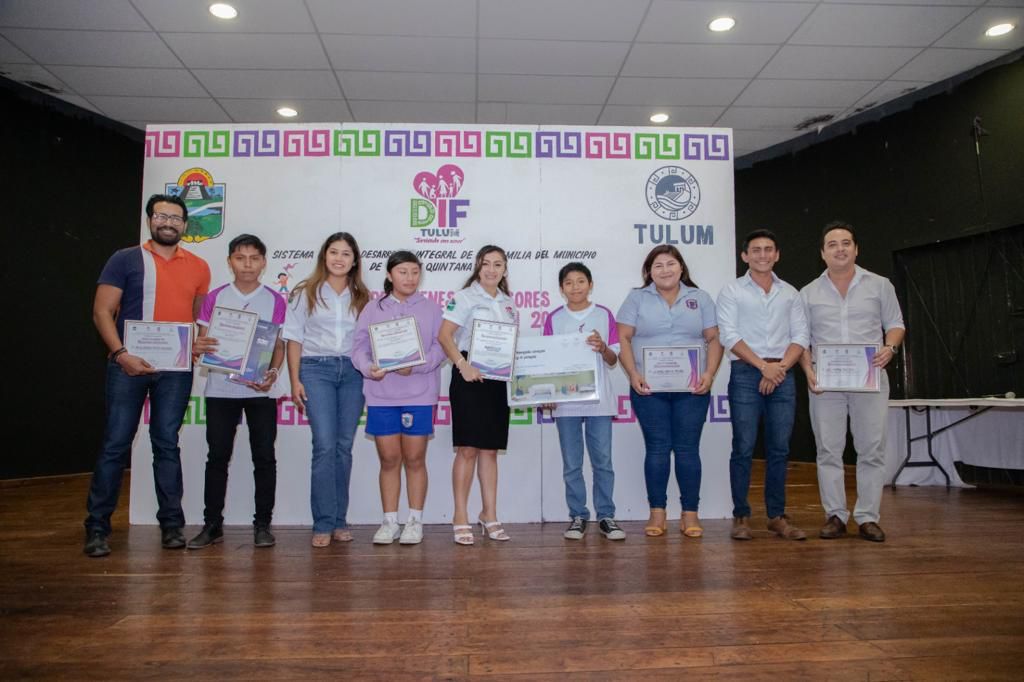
479 263
311 285
672 251
396 259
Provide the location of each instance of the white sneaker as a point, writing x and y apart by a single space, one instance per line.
412 534
387 534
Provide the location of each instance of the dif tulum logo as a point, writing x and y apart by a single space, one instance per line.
437 214
205 201
672 193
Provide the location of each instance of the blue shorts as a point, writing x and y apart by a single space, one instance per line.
416 420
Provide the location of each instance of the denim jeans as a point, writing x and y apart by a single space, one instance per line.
599 445
334 389
168 398
747 406
222 417
671 422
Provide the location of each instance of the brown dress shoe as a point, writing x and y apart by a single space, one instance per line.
781 527
741 529
833 528
872 531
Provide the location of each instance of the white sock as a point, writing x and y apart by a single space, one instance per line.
416 515
391 518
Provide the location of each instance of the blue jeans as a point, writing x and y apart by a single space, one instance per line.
747 406
334 389
168 398
599 445
671 422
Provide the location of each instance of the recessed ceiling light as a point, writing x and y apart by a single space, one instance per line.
722 24
223 11
659 118
998 30
287 112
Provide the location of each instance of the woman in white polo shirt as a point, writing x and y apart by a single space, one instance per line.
479 407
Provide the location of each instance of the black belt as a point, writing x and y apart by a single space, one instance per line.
762 360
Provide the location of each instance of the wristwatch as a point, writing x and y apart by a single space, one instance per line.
894 348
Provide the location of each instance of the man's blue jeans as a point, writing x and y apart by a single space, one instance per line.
747 406
168 398
599 445
671 422
334 389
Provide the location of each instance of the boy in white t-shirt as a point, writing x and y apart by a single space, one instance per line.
580 316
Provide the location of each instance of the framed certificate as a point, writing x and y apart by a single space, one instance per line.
396 344
260 354
554 369
847 367
673 368
165 345
492 348
234 331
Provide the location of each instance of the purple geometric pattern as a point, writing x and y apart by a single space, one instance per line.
698 147
257 143
406 143
563 145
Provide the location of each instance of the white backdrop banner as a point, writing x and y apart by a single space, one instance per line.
547 195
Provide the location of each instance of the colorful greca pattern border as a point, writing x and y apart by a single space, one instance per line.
510 144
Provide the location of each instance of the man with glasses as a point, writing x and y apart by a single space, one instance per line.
158 281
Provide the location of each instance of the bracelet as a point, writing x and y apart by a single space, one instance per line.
114 355
274 370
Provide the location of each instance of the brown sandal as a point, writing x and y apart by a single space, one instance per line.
690 527
657 524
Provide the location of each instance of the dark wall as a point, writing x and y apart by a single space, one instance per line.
910 178
72 181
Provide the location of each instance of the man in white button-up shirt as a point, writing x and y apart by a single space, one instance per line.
848 304
762 323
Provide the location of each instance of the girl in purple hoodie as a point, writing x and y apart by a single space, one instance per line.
400 403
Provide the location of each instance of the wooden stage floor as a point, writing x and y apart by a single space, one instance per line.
943 599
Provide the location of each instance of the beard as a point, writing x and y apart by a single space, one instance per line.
164 239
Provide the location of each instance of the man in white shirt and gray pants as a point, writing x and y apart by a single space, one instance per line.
763 324
848 304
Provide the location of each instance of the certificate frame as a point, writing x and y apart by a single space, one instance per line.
167 346
492 348
847 367
260 355
672 369
392 343
234 330
559 368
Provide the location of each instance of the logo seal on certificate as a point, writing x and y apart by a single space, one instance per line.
554 369
234 331
847 367
492 348
673 369
396 344
167 346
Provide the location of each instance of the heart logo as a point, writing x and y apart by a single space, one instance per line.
444 184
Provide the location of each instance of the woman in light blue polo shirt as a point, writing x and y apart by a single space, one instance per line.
669 310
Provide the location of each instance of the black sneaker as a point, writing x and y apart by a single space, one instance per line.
209 535
576 529
262 537
611 530
96 544
172 538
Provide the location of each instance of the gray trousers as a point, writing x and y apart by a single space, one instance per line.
868 415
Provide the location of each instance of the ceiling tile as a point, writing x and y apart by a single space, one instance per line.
257 83
756 22
366 53
880 25
707 61
885 92
414 112
938 63
247 51
395 17
9 54
620 115
254 16
552 114
109 15
24 73
771 118
679 91
545 89
79 101
971 33
858 63
491 112
92 48
561 19
551 57
162 109
397 86
265 110
804 93
110 80
908 2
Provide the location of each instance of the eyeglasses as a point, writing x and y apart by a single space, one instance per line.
164 218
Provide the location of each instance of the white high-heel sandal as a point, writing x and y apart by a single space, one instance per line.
463 534
499 534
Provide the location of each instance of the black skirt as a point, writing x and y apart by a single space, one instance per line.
479 413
